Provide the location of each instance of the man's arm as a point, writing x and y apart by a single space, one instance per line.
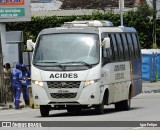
20 75
29 73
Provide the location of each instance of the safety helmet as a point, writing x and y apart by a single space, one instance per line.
18 65
23 66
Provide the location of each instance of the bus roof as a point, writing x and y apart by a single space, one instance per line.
117 29
70 30
87 30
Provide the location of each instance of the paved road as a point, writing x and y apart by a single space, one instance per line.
145 107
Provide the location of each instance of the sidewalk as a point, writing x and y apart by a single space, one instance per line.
5 107
153 87
10 105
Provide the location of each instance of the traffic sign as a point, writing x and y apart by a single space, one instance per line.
15 10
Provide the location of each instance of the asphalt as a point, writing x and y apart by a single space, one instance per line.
147 87
144 108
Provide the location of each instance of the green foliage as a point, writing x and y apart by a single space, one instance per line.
140 19
144 10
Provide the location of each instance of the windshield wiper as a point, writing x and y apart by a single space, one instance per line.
78 62
58 64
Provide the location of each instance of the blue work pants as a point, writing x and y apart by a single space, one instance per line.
17 94
25 92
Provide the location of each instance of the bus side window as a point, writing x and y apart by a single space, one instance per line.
114 47
120 47
135 43
139 47
130 45
107 55
125 47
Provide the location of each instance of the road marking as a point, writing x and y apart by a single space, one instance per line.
137 128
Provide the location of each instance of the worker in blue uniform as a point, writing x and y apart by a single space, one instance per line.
16 77
25 82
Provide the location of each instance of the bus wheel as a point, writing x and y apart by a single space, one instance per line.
123 105
118 106
126 104
100 108
44 110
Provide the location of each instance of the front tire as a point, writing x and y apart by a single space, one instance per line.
100 108
44 110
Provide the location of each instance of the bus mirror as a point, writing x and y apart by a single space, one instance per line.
106 42
30 44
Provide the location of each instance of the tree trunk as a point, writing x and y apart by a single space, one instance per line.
1 71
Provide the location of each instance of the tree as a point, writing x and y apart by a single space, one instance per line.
141 19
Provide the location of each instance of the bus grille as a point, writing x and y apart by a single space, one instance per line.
63 95
63 84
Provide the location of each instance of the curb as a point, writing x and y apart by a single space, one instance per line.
9 107
4 108
152 91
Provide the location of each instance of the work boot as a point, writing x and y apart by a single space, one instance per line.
27 102
18 108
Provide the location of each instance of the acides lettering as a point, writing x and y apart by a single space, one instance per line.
64 75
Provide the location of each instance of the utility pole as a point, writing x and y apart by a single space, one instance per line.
2 59
121 5
1 71
154 23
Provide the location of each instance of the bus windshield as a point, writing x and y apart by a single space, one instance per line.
67 49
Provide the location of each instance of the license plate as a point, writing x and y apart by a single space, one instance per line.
63 91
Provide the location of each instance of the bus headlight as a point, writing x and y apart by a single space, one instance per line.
39 83
88 82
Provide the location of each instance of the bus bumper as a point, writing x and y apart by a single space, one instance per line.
89 95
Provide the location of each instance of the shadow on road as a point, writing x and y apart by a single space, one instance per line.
89 112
